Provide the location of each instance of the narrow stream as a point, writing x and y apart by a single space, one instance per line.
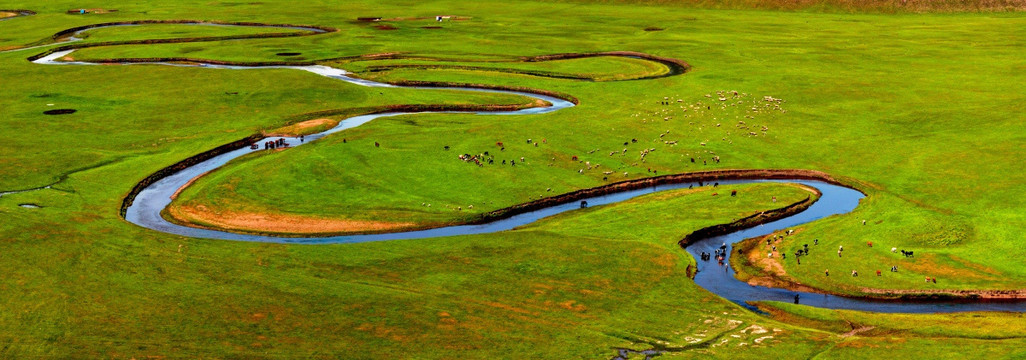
718 279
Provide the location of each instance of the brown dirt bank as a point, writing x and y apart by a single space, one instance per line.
446 84
547 74
751 221
276 223
705 176
68 32
178 166
675 66
245 142
303 128
852 6
754 268
212 220
6 13
946 294
747 222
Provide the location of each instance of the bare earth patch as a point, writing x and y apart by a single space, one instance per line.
277 223
303 128
772 274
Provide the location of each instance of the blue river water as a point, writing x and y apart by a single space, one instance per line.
719 279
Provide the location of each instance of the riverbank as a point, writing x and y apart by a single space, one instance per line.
885 99
754 267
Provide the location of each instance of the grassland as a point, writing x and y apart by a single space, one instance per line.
921 111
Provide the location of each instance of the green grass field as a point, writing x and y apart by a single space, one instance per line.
922 111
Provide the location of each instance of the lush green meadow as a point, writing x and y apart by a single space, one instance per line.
921 111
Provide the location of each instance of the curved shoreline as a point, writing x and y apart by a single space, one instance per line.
17 13
706 177
673 66
245 142
763 278
69 33
506 218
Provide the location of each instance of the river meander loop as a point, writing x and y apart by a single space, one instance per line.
146 207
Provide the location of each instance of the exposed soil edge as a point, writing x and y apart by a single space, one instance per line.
247 141
752 274
573 196
67 32
547 74
704 176
178 166
675 66
749 221
18 13
447 84
746 223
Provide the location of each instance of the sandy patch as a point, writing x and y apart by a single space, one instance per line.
7 14
769 265
277 223
303 128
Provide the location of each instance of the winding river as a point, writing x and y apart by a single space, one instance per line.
146 210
